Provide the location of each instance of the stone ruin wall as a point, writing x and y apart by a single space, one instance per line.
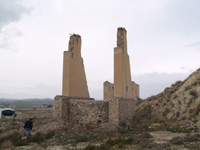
88 111
81 110
60 108
121 110
108 90
126 109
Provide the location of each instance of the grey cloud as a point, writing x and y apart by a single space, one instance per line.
7 39
186 14
197 44
154 83
182 68
11 10
180 17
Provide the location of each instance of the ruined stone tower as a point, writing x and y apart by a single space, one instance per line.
123 86
75 104
74 78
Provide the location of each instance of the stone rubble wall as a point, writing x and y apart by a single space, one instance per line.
121 110
126 109
83 111
108 90
114 110
60 109
77 110
88 111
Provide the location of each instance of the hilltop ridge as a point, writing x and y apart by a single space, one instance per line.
179 102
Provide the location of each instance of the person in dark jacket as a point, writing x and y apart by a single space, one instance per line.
28 126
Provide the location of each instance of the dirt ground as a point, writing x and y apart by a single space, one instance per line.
52 134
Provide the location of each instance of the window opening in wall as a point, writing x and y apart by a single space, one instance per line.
77 121
99 121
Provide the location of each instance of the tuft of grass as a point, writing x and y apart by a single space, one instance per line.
6 144
194 93
187 88
142 137
191 138
119 143
49 134
38 138
177 140
196 110
178 130
188 138
82 139
90 147
14 138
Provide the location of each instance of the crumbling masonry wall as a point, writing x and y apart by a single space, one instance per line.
88 111
121 110
83 111
108 90
79 110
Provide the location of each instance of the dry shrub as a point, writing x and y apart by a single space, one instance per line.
6 144
91 126
196 111
194 93
177 140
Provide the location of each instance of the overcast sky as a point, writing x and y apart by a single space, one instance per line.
163 43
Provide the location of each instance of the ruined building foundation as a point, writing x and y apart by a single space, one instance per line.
120 98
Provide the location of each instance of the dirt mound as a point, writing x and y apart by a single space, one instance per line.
179 102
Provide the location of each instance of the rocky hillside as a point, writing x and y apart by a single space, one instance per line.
179 102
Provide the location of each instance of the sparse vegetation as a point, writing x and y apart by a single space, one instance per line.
82 139
49 134
119 142
193 93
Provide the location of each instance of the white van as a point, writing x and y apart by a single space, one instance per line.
6 112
